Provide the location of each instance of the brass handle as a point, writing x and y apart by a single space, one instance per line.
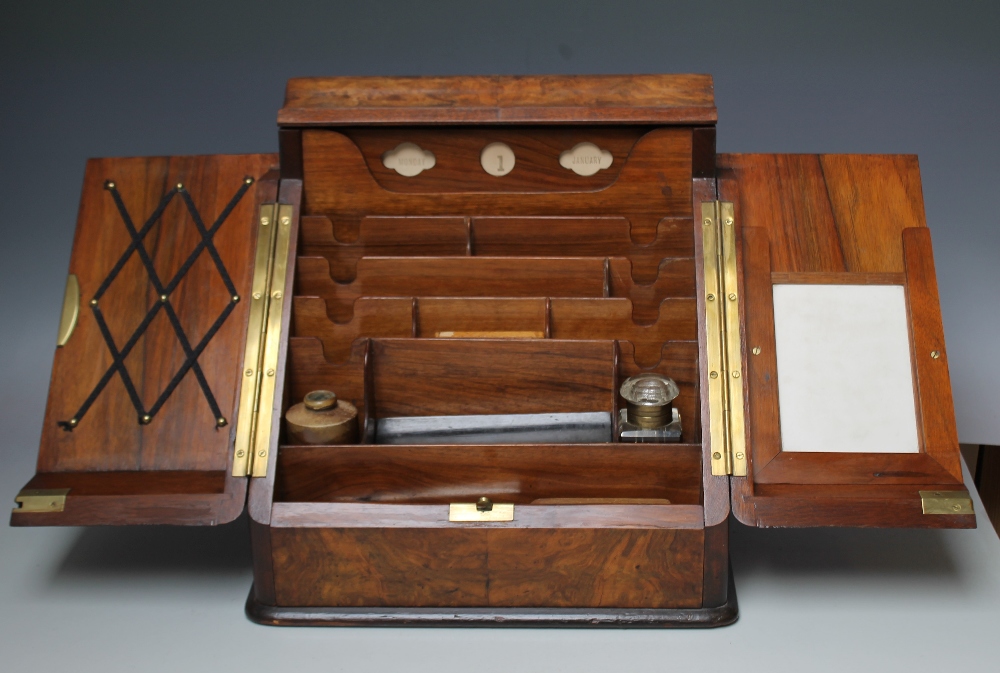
70 310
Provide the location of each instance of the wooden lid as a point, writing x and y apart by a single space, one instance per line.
546 99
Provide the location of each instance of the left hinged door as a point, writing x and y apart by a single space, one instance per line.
144 398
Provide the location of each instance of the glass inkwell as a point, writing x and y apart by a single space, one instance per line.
649 414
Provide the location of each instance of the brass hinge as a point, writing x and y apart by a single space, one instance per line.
946 502
41 500
724 357
260 355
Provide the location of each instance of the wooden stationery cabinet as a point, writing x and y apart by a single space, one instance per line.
497 248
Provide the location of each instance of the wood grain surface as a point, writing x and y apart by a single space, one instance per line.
838 219
534 99
183 437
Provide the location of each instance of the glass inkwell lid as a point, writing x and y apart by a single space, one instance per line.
649 400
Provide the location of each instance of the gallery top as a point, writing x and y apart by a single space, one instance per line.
546 99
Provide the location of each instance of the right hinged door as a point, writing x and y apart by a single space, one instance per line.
847 400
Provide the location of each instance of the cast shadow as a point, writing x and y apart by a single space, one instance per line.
135 551
843 552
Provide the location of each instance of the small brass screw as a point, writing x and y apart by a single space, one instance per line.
262 454
286 220
717 455
756 350
264 221
956 508
240 453
711 297
935 354
729 220
256 295
713 375
270 372
739 455
249 372
736 375
276 295
732 296
708 221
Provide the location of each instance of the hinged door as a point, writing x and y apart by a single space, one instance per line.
841 359
144 395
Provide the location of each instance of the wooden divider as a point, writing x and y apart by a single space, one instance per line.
347 243
495 277
590 318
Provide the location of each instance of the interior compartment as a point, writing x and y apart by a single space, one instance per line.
520 474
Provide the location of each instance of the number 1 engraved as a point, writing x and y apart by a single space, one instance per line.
500 163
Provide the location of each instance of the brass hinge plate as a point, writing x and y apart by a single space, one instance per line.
946 502
725 345
469 512
41 500
263 342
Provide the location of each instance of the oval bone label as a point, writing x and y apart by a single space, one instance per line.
585 159
408 159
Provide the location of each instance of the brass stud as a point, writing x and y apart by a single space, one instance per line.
484 504
221 422
236 298
180 186
935 354
713 375
711 297
73 422
249 181
736 375
163 298
110 185
146 418
93 302
756 350
717 455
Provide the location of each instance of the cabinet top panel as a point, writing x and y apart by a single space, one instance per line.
545 99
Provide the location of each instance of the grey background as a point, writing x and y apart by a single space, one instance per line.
128 78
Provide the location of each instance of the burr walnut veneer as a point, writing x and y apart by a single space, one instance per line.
455 291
